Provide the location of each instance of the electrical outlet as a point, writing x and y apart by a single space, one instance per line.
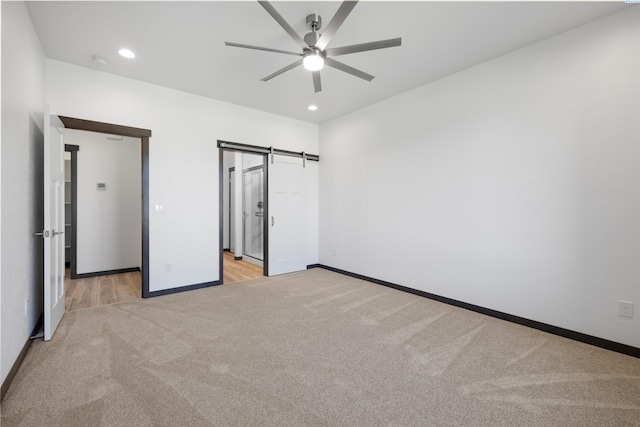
168 268
26 307
626 309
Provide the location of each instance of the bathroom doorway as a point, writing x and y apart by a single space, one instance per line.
243 216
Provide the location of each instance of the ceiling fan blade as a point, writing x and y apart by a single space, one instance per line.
266 49
282 70
317 84
347 69
343 11
354 48
284 24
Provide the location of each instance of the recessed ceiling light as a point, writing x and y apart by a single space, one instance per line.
127 53
312 107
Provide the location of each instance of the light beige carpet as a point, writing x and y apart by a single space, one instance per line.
313 348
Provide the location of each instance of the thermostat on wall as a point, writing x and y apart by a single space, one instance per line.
101 186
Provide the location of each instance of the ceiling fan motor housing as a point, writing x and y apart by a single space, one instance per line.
314 22
311 38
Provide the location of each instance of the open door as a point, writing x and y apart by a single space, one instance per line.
53 233
286 215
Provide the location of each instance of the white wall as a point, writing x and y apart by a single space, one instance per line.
109 222
183 157
512 185
251 160
23 65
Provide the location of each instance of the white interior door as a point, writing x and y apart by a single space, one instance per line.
53 233
286 215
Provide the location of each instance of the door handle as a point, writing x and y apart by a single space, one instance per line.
43 234
55 233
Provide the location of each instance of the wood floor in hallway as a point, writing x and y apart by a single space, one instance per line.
101 290
237 271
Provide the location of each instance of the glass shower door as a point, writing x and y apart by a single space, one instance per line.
253 203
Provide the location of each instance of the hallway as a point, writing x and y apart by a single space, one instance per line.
101 290
237 271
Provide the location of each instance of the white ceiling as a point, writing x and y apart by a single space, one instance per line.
181 45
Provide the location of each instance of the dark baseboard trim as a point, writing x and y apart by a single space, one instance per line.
237 258
16 365
310 266
226 250
105 273
555 330
181 289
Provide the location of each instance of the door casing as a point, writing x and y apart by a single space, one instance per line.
144 135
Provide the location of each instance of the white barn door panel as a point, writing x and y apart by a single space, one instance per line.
286 215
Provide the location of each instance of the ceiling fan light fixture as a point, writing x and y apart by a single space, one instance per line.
313 60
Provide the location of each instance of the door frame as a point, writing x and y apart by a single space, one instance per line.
244 219
231 170
265 220
144 135
264 152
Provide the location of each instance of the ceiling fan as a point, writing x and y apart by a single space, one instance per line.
314 52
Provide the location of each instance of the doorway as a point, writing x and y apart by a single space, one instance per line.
288 214
244 208
122 280
104 229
